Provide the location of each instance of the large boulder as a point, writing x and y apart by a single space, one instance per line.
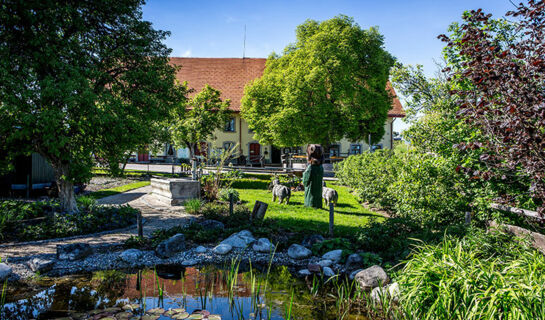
130 256
5 271
241 239
371 278
335 255
171 246
296 251
40 265
309 241
353 262
73 251
263 245
223 248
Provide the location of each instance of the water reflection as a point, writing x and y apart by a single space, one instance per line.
232 295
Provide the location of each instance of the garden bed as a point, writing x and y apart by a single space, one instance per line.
25 221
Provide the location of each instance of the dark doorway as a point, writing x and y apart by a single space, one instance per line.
275 155
255 153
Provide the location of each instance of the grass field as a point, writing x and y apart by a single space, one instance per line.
124 188
350 215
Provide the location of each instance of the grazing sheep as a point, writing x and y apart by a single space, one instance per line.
330 195
280 191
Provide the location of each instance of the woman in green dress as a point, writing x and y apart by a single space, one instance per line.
313 176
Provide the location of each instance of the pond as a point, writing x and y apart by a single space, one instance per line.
174 293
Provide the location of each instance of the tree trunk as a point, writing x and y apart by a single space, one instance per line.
67 196
125 164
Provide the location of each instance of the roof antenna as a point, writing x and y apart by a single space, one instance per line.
244 48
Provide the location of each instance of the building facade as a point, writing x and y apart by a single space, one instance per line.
230 75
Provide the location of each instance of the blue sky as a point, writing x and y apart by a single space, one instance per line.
216 28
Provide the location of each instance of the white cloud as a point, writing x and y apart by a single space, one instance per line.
187 53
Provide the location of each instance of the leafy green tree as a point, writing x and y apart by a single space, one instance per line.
328 85
205 113
79 78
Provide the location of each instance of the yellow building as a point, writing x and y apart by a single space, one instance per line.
230 75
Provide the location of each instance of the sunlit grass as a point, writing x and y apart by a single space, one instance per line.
349 213
113 191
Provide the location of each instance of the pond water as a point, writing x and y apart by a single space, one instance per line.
167 293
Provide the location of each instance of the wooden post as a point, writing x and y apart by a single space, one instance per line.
331 218
230 204
139 225
260 208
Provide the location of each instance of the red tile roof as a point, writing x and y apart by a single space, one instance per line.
230 75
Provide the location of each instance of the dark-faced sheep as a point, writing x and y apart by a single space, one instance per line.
281 192
330 195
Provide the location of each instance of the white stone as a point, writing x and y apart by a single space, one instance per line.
372 277
5 271
241 239
263 245
304 272
200 249
325 263
189 262
131 255
393 291
297 251
328 272
334 255
223 248
40 265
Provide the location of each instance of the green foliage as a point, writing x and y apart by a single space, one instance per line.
220 212
482 276
334 73
423 187
90 218
320 248
134 242
226 193
93 79
370 259
247 183
289 180
206 113
193 206
86 202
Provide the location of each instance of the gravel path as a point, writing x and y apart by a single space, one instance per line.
156 214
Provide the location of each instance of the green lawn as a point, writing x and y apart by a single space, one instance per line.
350 215
124 188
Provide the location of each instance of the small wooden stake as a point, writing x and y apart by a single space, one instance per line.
331 218
260 208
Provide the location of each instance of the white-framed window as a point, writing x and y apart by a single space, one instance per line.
230 126
355 148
